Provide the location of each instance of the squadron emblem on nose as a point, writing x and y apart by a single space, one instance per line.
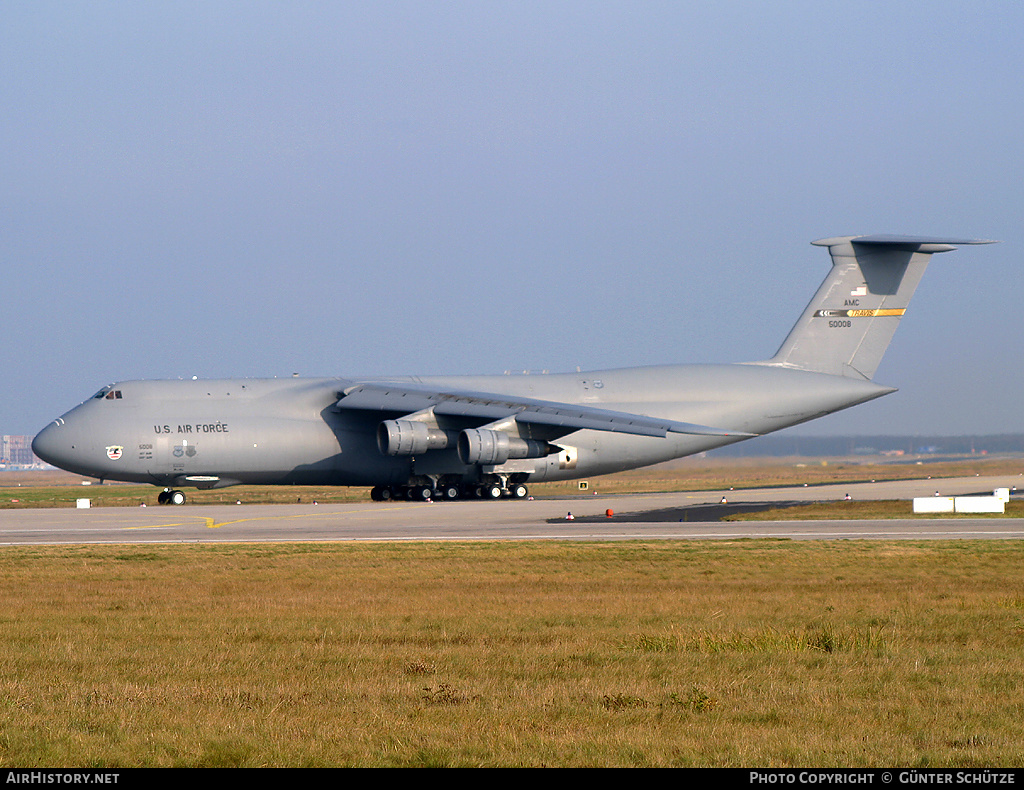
115 452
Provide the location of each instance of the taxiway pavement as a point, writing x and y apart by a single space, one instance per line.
635 517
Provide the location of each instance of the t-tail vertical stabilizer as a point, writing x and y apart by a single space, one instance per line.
850 321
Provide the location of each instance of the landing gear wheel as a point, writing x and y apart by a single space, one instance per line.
518 491
420 493
492 492
163 497
176 497
449 493
382 494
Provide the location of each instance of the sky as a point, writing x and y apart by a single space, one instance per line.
257 189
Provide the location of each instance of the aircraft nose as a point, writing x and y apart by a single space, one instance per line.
51 444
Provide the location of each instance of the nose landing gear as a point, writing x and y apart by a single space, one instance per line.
171 497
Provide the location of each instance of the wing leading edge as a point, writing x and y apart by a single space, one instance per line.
408 398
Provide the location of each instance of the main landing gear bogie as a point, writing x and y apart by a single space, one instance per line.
448 492
495 491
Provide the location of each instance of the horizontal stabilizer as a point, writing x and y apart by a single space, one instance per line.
907 242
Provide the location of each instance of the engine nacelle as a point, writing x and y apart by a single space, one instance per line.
481 446
409 437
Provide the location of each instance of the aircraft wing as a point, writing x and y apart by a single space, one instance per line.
408 398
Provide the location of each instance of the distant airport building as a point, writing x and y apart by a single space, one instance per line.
16 451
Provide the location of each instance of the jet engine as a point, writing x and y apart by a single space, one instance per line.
409 437
481 446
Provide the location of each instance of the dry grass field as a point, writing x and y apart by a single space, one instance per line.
703 474
748 653
752 653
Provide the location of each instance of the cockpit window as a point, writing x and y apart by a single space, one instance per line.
108 393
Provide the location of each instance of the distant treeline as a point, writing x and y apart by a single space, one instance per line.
783 444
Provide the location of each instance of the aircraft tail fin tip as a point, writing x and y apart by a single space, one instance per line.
850 322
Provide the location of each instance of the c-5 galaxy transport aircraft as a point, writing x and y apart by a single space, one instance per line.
489 436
